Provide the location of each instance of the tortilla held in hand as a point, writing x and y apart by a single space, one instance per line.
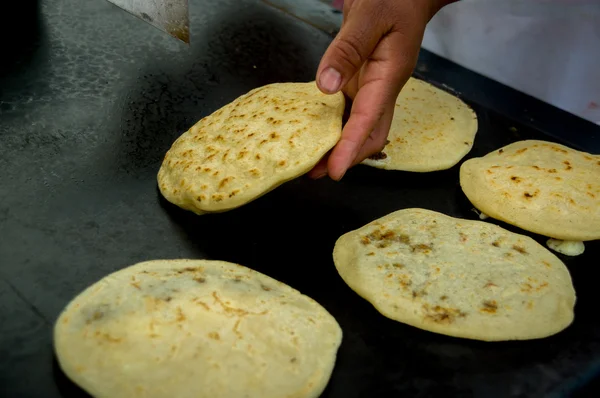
196 329
247 148
539 186
431 130
461 278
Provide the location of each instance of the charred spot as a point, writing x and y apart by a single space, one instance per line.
467 143
568 164
552 171
528 195
224 181
97 315
404 239
521 150
515 179
388 235
293 360
200 279
536 167
168 298
378 156
489 306
444 298
365 240
214 336
398 265
501 151
281 163
371 254
265 288
258 157
422 248
490 284
439 314
519 249
463 237
188 269
273 135
496 243
451 118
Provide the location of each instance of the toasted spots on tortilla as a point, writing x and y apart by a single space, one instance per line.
181 338
471 271
550 189
250 146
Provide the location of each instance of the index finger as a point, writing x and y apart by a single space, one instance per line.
380 81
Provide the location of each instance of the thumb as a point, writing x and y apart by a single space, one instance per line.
350 49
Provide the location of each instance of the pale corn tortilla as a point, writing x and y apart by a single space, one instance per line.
539 186
431 130
456 277
194 328
259 141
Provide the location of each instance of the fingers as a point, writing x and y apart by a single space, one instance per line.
378 139
380 81
358 37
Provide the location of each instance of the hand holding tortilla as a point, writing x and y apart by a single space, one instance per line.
371 58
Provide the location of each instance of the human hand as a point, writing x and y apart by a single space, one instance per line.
370 60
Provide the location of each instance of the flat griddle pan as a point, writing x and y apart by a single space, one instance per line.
90 101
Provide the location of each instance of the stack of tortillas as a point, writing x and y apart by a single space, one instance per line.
431 130
457 277
196 329
542 187
262 139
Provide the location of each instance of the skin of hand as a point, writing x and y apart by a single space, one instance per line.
370 60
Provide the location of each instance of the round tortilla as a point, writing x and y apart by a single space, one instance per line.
539 186
461 278
194 328
247 148
431 130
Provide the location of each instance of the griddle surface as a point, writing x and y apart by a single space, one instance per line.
91 99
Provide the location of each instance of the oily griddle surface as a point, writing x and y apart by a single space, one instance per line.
92 99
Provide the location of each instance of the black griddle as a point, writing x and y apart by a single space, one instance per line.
91 99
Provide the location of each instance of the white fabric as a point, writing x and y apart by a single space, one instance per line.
548 49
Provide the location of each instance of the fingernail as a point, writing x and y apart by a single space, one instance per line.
330 80
319 176
341 176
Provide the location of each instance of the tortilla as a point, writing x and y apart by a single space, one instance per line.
194 328
431 130
539 186
461 278
247 148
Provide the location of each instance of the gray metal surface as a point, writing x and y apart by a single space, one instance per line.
170 16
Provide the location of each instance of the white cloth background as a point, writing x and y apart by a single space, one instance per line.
547 49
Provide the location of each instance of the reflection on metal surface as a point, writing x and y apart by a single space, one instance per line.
170 16
317 13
